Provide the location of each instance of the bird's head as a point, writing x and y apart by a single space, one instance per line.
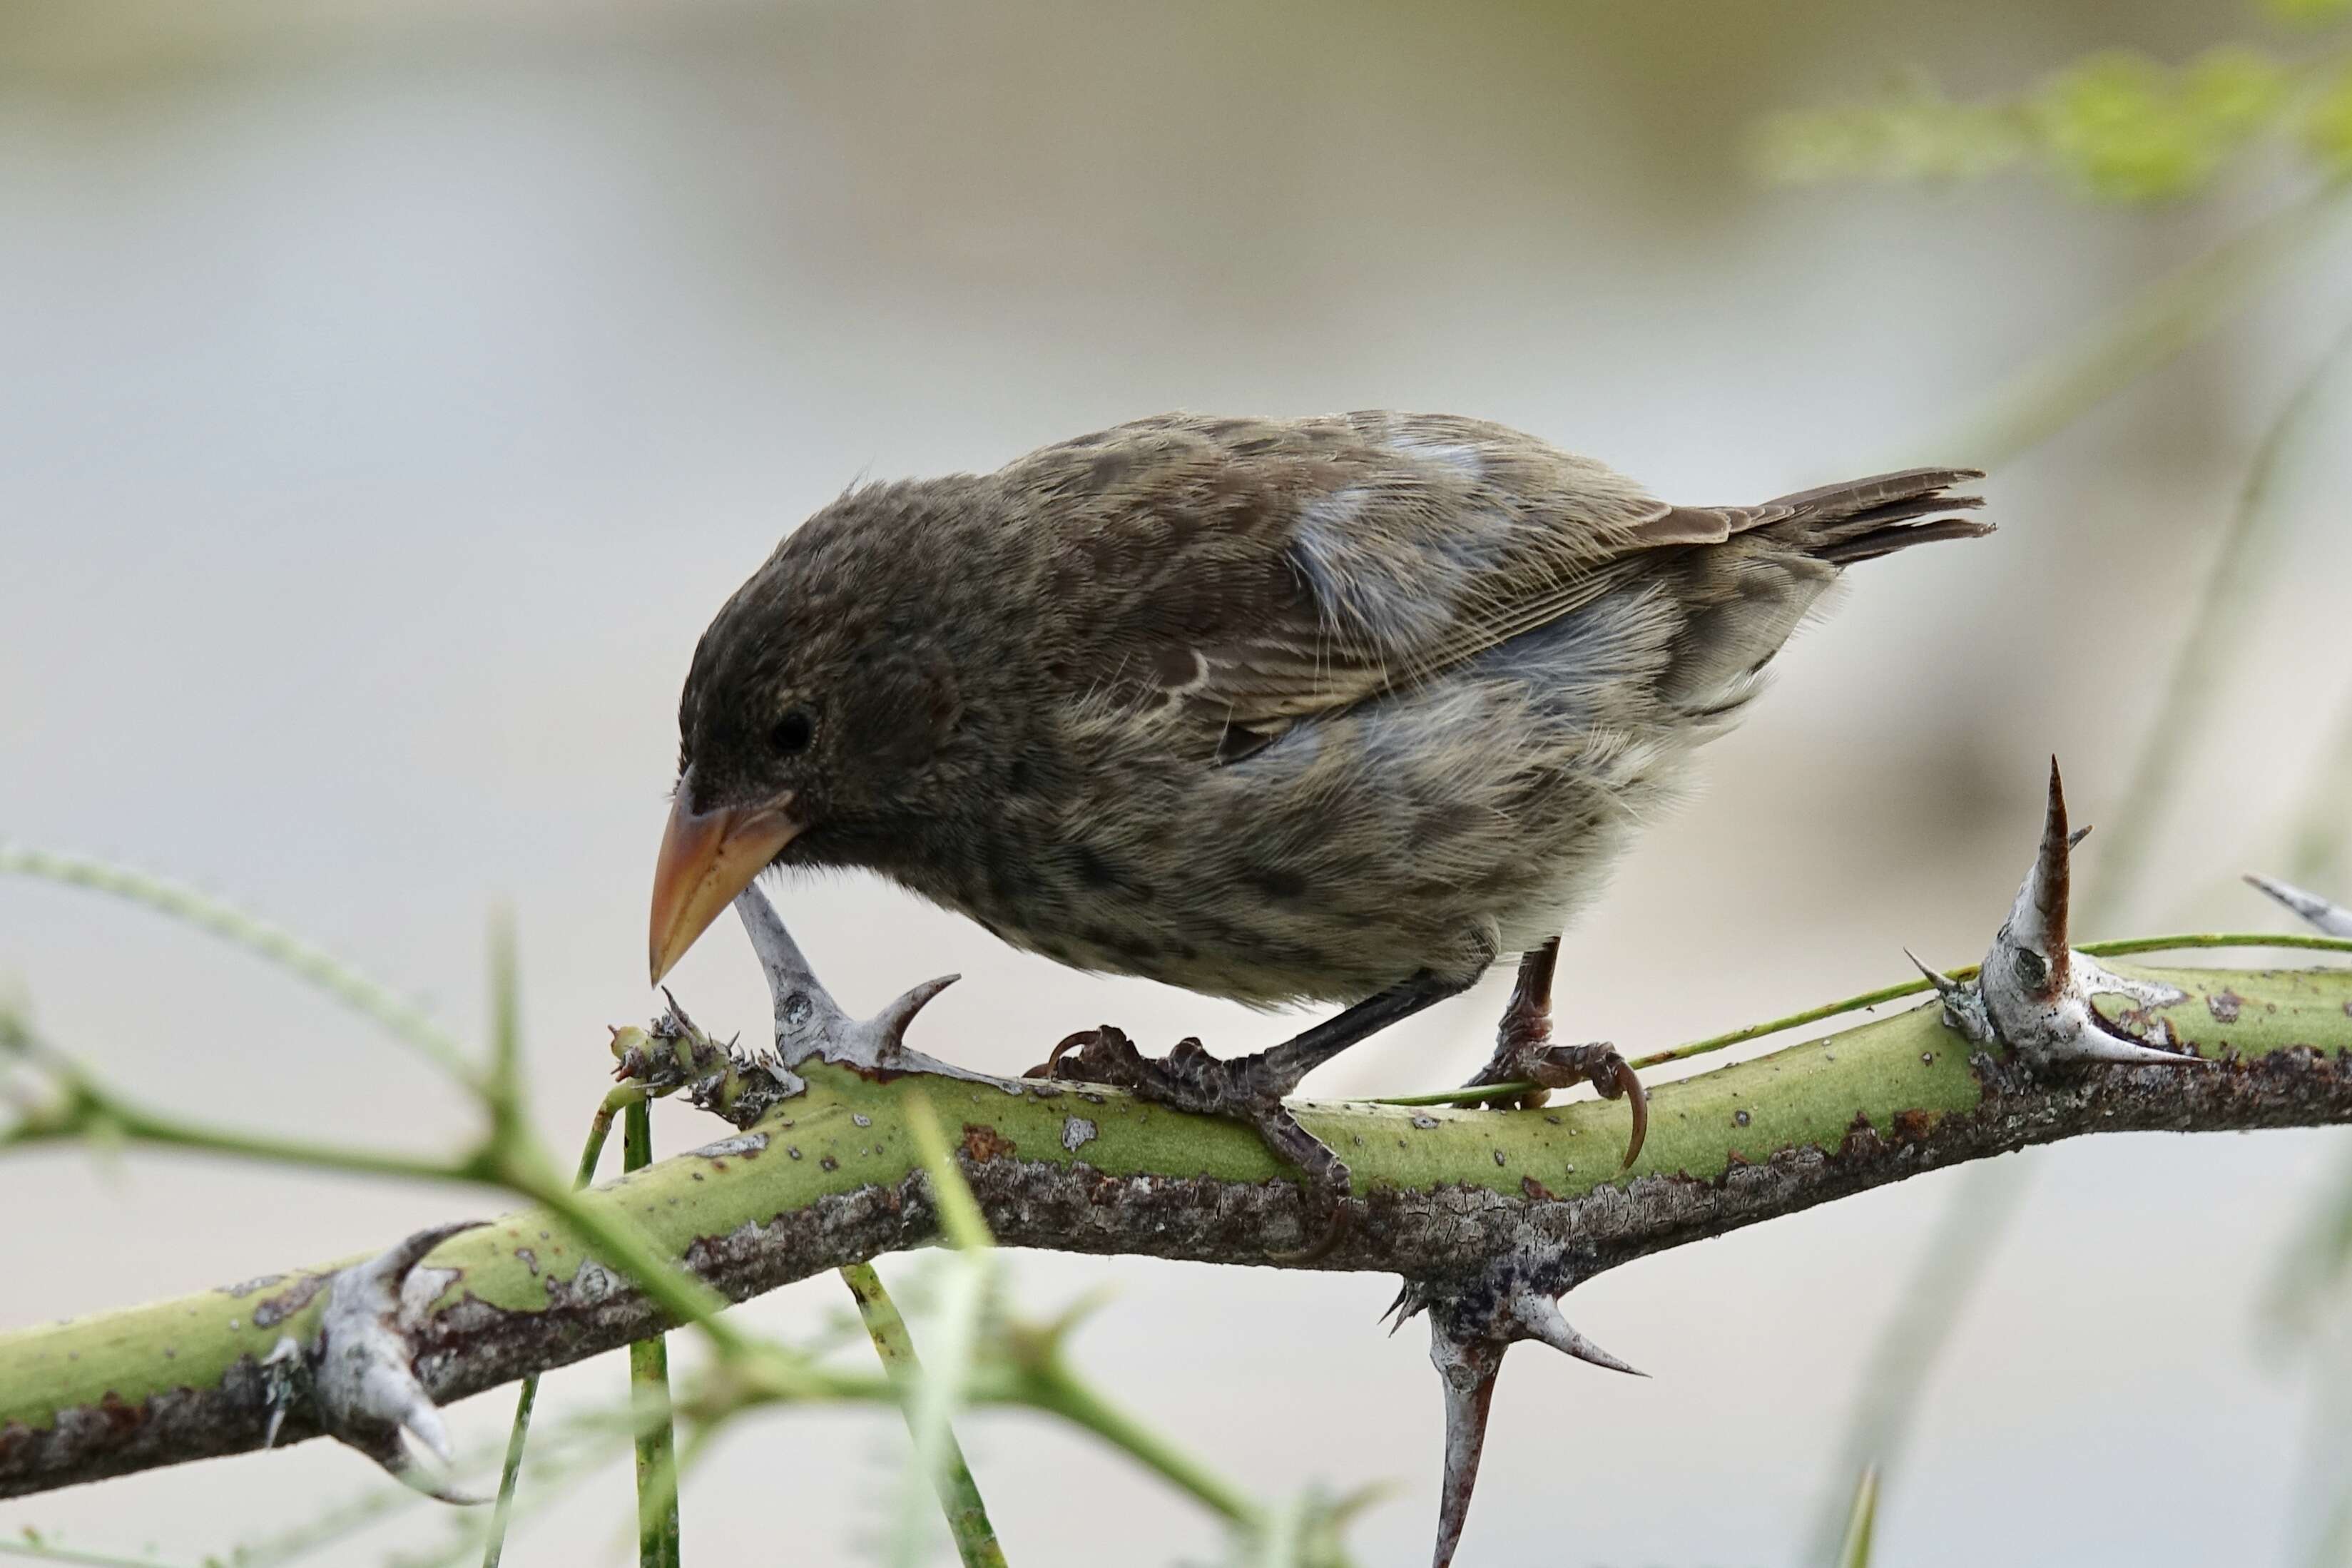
812 711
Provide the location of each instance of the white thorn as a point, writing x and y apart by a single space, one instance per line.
1964 1008
1542 1320
787 967
2333 918
892 1020
424 1420
2095 1045
2035 992
1465 1374
364 1383
2037 921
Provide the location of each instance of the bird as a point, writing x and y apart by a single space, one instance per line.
1339 710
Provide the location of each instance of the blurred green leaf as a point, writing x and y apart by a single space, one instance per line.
2308 12
2327 128
1914 132
2131 129
2120 126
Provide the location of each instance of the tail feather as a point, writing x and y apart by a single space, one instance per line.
1901 536
1864 519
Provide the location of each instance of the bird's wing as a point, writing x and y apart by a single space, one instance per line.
1257 572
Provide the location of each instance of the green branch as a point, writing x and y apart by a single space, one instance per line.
836 1175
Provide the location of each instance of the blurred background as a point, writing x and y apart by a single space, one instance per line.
394 388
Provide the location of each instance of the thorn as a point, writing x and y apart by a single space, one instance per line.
2077 837
2331 917
280 1369
787 967
2033 993
391 1265
892 1021
1540 1316
2037 921
1465 1372
433 1432
416 1479
1944 983
1412 1299
2096 1044
363 1378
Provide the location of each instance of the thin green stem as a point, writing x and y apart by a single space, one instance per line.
960 1215
656 1441
109 1117
1854 1552
372 1000
1049 1386
511 1473
600 1128
2324 825
965 1299
661 1493
2163 319
35 1552
502 1086
2114 949
2225 601
331 1529
960 1499
686 1298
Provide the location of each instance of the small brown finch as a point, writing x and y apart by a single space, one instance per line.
1338 709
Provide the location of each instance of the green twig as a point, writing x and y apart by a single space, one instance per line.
1854 1552
600 1128
657 1519
378 1003
965 1300
2225 601
2159 322
1047 1384
2123 947
38 1551
960 1499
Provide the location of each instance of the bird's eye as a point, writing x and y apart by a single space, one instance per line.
792 731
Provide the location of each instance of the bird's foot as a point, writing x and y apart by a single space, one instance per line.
1243 1089
1524 1054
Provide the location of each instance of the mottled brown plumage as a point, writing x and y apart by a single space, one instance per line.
1339 708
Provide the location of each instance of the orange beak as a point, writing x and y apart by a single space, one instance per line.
708 858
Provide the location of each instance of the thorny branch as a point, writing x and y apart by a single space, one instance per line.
1490 1216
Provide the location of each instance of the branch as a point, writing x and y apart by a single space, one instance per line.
832 1178
1480 1211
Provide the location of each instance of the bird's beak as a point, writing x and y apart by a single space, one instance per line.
708 858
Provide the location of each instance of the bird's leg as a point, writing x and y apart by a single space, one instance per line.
1250 1089
1524 1051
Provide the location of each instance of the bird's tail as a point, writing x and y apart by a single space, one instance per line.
1864 519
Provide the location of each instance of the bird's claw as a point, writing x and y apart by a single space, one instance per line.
1601 1065
1530 1057
1190 1079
